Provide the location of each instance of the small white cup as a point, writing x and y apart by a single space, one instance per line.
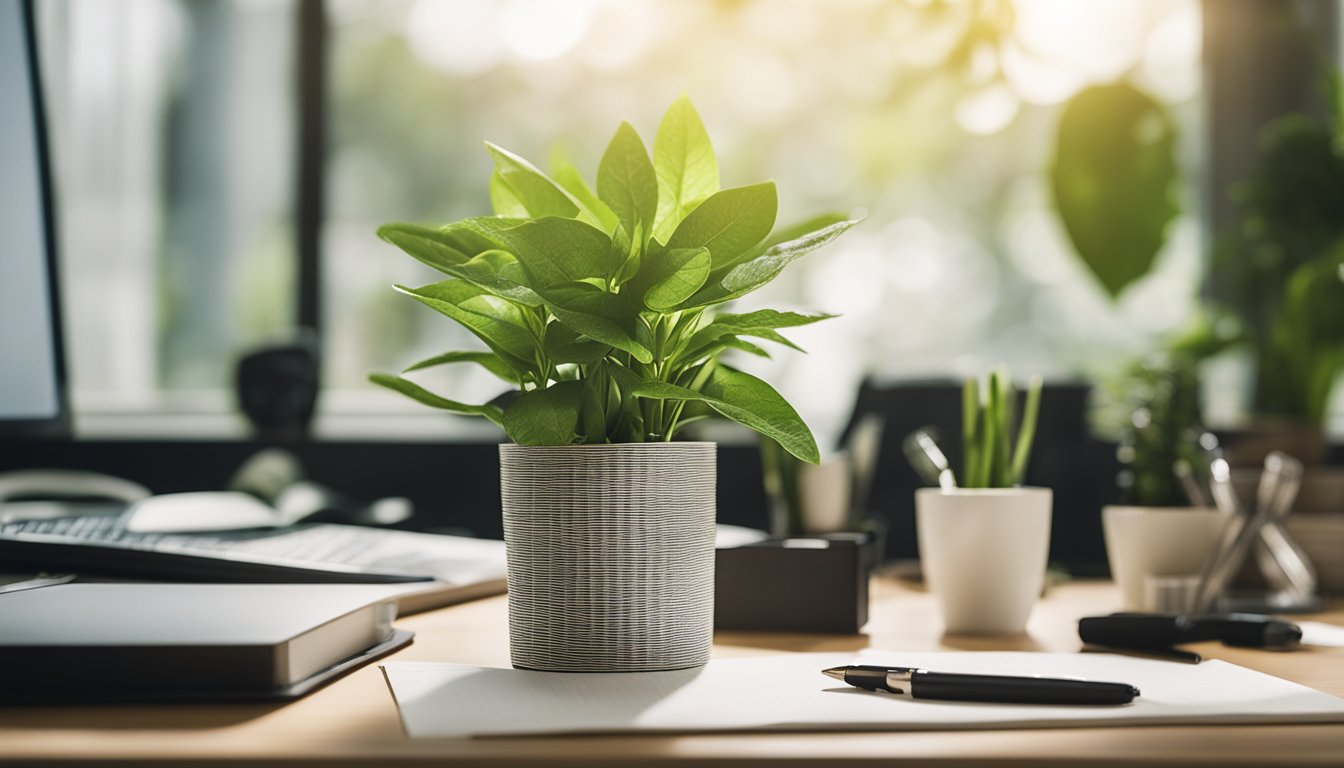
1143 542
983 553
823 495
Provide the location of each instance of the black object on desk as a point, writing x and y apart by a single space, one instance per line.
995 689
810 584
1161 631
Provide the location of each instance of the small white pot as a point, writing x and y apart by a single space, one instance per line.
1147 542
983 553
610 555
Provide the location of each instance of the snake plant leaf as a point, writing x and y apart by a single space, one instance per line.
729 222
1114 180
684 161
535 190
592 210
626 181
565 345
672 276
547 416
487 360
748 401
436 248
754 273
497 322
502 199
555 251
424 396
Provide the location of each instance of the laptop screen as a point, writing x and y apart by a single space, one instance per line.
30 376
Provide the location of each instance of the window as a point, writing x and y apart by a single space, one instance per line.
172 127
937 118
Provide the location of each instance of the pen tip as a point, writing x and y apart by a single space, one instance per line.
837 672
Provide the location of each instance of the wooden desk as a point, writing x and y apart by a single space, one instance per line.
354 721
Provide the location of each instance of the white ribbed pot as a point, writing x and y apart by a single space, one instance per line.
611 555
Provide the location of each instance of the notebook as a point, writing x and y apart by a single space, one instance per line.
187 641
789 693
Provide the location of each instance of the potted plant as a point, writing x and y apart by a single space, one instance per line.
602 310
983 538
1158 530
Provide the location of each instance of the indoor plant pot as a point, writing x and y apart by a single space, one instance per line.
983 554
611 555
601 310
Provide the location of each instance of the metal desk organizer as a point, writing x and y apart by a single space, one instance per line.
1258 531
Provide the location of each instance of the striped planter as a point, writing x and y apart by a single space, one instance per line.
611 555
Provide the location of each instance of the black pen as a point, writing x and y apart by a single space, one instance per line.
923 684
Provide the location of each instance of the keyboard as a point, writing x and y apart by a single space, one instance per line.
306 553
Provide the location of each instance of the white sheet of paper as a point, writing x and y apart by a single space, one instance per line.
790 693
1319 633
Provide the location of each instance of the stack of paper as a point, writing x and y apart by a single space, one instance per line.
790 693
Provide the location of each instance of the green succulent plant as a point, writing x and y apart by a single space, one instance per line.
992 456
603 309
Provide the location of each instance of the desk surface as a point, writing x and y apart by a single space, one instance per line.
354 721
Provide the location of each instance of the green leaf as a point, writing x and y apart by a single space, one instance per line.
746 400
603 316
1114 180
761 323
684 161
784 235
626 182
422 395
673 276
438 248
555 251
502 199
565 345
594 211
629 248
545 416
733 342
487 360
537 193
497 322
729 223
750 275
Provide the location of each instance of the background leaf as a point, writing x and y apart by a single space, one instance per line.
729 223
1113 180
683 159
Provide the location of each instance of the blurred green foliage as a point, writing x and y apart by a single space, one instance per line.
1284 271
1162 396
1113 180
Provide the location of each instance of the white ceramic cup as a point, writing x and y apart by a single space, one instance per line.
1143 542
983 553
823 494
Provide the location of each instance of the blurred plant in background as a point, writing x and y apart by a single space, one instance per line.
1285 268
938 116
